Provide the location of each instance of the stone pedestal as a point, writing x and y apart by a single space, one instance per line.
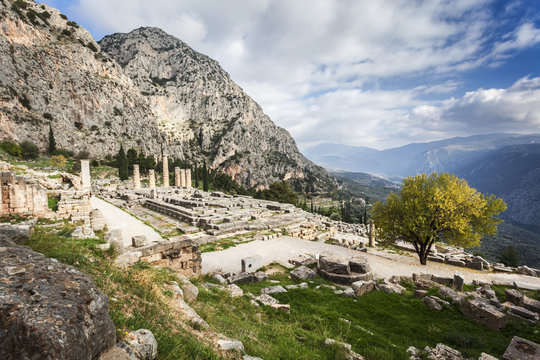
136 177
165 171
151 178
177 180
85 175
188 178
183 178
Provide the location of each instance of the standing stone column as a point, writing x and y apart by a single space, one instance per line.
151 178
371 233
177 181
188 178
136 177
85 175
183 178
165 171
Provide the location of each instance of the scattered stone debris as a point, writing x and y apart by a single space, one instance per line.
344 271
302 273
143 343
351 355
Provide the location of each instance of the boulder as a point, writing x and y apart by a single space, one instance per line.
334 265
114 237
35 293
451 294
143 343
83 232
431 303
220 279
297 286
266 299
260 276
484 356
16 232
531 304
443 352
349 292
273 290
359 265
362 287
190 291
524 313
443 280
419 293
302 273
234 290
525 270
390 288
97 220
522 349
139 241
483 313
459 280
514 296
282 307
115 353
230 344
243 278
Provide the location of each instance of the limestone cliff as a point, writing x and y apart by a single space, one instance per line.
203 112
52 72
147 90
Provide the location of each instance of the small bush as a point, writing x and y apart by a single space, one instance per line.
78 125
92 47
66 32
72 24
65 153
29 150
47 116
117 111
59 160
63 16
94 128
53 202
107 123
11 148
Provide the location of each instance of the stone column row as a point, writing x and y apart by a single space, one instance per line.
182 177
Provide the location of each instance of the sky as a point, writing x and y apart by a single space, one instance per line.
376 73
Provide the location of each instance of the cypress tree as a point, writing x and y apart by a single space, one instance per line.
205 177
122 164
52 142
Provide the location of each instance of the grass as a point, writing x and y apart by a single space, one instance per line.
137 297
396 322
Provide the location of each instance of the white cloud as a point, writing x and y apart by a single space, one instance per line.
319 67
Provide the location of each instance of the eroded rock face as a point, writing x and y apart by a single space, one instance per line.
202 110
49 310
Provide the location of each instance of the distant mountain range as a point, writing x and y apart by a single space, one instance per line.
411 159
507 165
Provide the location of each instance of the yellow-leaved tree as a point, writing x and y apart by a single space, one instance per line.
435 208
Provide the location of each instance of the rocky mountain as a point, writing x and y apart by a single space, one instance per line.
147 90
411 159
53 73
203 112
512 173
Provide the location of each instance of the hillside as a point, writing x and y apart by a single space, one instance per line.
203 112
152 93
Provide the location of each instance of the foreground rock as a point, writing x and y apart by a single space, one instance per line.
49 310
522 349
143 343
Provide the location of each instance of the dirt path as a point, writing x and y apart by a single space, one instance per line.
116 218
383 264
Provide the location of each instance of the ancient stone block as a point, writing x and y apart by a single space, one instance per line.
165 171
136 177
251 264
139 241
459 280
334 265
151 179
514 296
86 183
522 349
302 273
188 178
483 313
359 265
362 287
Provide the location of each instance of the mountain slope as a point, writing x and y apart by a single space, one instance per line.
204 113
52 73
435 156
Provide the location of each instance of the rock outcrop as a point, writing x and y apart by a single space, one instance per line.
49 310
203 112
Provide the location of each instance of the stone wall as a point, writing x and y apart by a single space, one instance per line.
75 205
22 196
181 255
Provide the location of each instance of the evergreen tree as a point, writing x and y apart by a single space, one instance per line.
311 205
52 142
122 162
205 177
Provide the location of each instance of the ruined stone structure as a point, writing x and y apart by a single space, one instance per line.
136 177
165 171
188 178
151 178
183 177
75 205
85 175
177 180
371 233
22 196
181 255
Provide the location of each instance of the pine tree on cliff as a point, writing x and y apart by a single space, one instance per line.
205 177
52 142
122 162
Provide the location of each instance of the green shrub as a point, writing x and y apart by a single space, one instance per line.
29 150
78 125
47 116
92 47
11 148
63 16
65 153
25 102
66 32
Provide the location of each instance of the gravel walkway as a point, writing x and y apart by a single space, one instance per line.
116 218
383 264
